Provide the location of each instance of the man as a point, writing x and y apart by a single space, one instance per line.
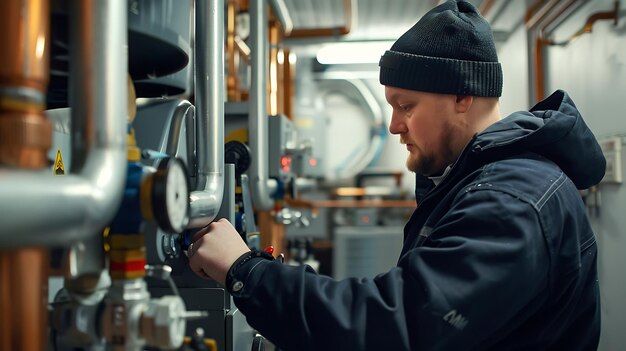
498 254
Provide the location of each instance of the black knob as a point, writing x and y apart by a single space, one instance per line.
237 153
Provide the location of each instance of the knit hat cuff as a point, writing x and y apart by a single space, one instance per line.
440 75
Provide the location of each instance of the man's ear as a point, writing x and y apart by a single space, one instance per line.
463 103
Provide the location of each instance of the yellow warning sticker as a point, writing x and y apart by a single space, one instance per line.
59 169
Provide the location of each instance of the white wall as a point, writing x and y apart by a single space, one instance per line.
592 70
514 61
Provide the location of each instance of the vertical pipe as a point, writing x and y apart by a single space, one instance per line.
258 120
25 132
91 194
25 137
273 68
279 8
288 74
205 202
232 81
537 12
23 299
98 76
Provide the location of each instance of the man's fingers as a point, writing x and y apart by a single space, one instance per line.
200 273
192 249
202 232
196 267
194 246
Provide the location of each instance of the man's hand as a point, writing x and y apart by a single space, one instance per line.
214 249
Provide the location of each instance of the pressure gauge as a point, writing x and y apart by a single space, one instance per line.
170 195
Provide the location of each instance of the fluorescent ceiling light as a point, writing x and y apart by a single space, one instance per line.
352 52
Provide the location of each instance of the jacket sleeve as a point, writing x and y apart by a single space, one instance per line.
480 270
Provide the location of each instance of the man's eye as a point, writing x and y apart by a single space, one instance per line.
405 108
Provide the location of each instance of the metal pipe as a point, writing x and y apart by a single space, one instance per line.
539 19
190 132
184 112
288 74
180 116
25 132
258 119
273 68
232 79
282 14
205 202
537 13
243 49
72 207
485 7
588 26
23 298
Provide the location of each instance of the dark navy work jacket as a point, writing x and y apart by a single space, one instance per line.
499 256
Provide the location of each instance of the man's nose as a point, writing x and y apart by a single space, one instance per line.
397 125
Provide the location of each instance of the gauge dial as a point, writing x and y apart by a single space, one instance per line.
171 195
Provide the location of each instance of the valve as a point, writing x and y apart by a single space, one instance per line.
163 322
288 216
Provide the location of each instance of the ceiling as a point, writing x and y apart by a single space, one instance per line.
387 20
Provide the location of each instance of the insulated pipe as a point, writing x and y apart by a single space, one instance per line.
258 120
39 209
206 200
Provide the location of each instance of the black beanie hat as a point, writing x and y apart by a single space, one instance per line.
448 51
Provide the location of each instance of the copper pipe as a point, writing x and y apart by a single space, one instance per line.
316 204
539 86
538 11
552 17
280 68
23 299
243 49
288 83
24 37
273 68
588 26
280 12
25 132
486 6
327 32
546 20
244 5
232 82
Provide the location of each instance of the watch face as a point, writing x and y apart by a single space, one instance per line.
177 196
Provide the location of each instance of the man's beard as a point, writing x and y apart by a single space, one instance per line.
425 164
